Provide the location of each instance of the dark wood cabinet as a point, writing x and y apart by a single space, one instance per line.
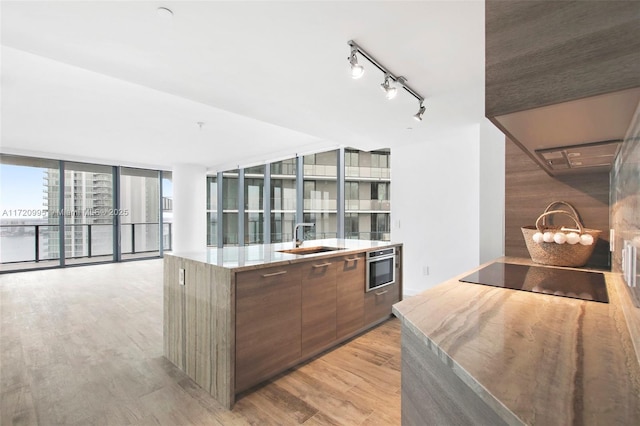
378 302
541 53
230 329
286 314
562 79
350 285
318 305
268 323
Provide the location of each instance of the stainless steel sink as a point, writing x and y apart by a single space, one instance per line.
310 250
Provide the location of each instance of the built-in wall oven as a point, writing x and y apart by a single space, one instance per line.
381 268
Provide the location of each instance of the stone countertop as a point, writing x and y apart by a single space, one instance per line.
533 358
266 255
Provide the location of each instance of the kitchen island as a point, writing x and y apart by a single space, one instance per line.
475 354
236 316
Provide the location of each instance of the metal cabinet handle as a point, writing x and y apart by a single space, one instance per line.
351 259
381 292
273 274
322 265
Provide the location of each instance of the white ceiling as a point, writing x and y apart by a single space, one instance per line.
109 81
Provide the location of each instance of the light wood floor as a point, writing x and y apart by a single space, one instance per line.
83 346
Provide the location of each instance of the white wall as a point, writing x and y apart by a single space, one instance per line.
437 197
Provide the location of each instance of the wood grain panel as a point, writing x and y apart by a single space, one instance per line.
198 325
399 272
174 319
377 303
529 189
318 304
350 281
545 52
194 277
221 345
432 393
268 323
202 325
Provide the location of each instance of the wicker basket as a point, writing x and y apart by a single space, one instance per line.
551 253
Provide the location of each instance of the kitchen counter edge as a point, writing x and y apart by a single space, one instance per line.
259 256
407 312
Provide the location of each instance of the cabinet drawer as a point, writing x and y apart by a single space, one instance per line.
377 303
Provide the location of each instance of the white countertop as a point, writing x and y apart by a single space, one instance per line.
261 255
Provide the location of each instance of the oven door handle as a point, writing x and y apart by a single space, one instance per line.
375 259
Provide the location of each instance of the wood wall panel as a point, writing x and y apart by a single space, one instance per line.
529 189
545 52
223 341
173 324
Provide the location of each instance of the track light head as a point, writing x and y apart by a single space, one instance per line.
357 70
390 89
420 112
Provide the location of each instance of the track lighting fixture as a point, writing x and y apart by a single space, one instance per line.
391 82
389 88
357 70
420 112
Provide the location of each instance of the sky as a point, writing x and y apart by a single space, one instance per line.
20 188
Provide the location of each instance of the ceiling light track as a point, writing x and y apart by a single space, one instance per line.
357 71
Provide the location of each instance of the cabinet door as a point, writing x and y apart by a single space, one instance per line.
350 294
378 302
318 305
268 323
544 53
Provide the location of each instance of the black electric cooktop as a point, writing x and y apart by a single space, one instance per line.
538 279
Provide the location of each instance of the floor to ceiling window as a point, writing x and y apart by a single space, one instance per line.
57 213
306 195
254 205
230 207
139 212
283 200
367 190
212 210
88 212
320 194
167 210
29 226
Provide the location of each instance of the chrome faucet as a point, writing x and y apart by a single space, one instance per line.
296 241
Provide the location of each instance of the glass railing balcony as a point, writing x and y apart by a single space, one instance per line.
367 205
367 172
372 235
36 243
316 204
320 170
